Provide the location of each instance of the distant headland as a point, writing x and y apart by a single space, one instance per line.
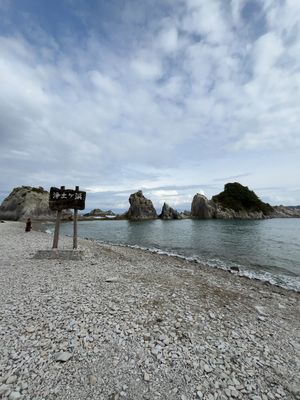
235 202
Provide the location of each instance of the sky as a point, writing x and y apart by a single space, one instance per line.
172 97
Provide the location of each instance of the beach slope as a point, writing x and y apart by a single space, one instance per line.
127 324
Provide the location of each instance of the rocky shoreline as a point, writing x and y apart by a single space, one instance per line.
127 324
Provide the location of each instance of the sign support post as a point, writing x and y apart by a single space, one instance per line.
64 199
75 224
57 226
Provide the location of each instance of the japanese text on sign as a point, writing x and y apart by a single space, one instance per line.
61 199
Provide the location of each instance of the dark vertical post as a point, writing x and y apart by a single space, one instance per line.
75 224
57 225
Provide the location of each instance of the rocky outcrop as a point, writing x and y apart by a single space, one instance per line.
235 202
231 214
97 212
295 208
27 202
203 208
242 201
286 212
140 207
168 212
185 214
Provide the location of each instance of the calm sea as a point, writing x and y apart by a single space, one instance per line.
265 249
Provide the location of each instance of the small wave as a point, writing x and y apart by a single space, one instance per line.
283 281
263 273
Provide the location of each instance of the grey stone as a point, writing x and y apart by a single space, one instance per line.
207 368
212 315
11 379
4 388
14 396
112 279
63 356
92 380
261 318
261 311
30 329
24 385
146 377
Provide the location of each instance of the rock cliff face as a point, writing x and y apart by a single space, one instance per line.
286 212
235 202
168 212
140 207
203 208
27 202
231 214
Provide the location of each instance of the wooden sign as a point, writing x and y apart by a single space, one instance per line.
62 199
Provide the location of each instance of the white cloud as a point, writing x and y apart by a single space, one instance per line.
173 198
165 193
206 19
191 93
172 88
266 52
168 39
147 69
104 84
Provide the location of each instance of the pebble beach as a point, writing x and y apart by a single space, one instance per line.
123 323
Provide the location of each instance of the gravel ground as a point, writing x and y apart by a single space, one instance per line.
127 324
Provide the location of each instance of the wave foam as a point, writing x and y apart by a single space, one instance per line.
283 281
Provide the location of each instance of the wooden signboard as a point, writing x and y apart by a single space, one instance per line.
63 199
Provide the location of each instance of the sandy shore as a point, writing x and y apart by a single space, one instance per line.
127 324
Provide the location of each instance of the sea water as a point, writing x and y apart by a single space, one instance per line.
265 249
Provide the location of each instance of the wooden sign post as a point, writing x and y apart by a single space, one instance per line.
62 199
57 226
75 224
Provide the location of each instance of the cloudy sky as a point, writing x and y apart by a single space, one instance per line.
172 97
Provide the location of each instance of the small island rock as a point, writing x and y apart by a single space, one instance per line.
97 212
140 208
168 212
241 202
235 202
